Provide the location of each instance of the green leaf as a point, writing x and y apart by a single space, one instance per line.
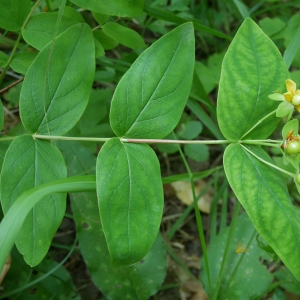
13 13
107 42
56 90
130 196
190 130
271 26
3 59
292 125
38 283
12 223
121 8
252 69
100 18
137 281
150 97
264 195
242 267
123 35
3 148
99 50
196 152
33 162
40 29
1 115
22 61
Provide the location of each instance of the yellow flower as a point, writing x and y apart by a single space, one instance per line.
292 95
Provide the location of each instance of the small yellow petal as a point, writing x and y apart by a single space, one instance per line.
298 108
290 86
297 92
288 97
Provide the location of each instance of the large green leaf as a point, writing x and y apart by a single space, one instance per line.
264 195
40 29
121 8
13 13
130 194
151 96
33 162
137 281
252 69
242 267
57 85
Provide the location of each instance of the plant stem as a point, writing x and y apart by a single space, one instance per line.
8 138
69 138
124 140
260 121
198 219
10 57
11 85
157 141
230 237
269 164
267 141
260 143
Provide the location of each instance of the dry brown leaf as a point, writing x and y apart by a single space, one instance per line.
184 194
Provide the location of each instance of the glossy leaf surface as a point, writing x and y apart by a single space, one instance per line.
121 8
130 195
264 195
252 69
56 90
13 13
151 96
33 162
137 281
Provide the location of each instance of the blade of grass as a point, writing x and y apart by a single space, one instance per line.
168 16
277 7
198 92
185 176
292 48
198 216
205 119
224 260
28 285
213 210
12 222
179 262
223 221
242 8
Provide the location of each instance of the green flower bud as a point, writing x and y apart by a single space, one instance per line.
293 147
297 179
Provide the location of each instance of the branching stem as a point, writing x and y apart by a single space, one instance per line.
260 121
269 164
